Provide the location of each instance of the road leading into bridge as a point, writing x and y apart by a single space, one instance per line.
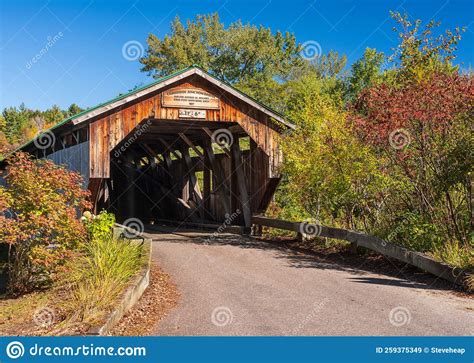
232 285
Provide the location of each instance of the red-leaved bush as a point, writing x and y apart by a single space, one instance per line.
39 222
422 131
431 105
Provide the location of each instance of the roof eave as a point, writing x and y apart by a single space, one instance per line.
85 115
132 97
155 87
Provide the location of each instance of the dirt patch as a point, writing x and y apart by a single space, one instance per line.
39 314
158 299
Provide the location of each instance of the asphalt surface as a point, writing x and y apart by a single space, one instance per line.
236 286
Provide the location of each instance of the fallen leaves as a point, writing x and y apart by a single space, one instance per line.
159 298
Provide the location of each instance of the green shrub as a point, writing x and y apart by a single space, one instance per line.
99 226
414 232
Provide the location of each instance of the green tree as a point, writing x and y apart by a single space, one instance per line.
2 123
331 175
239 54
16 120
20 124
328 65
53 116
419 52
365 72
73 110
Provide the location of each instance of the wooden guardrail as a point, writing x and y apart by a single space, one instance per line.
373 243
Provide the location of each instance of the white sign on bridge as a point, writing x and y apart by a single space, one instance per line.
183 113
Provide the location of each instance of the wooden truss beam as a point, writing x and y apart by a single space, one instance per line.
169 148
191 144
210 134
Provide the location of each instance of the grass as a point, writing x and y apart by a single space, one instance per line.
455 254
470 282
16 315
96 279
83 296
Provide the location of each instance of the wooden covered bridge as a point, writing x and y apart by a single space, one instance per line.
187 147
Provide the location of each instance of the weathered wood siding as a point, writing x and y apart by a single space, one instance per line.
75 158
109 130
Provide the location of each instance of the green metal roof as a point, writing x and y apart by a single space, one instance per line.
118 98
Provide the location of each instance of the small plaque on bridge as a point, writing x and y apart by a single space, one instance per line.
183 113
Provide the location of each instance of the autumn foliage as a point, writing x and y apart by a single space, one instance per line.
430 105
421 130
390 149
39 211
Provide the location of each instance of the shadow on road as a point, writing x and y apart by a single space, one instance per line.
397 273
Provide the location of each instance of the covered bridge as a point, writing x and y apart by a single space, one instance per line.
187 147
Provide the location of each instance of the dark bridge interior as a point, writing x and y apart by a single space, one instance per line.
190 171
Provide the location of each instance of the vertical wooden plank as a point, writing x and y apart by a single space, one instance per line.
157 112
207 187
243 193
106 146
189 171
93 151
220 186
130 194
234 188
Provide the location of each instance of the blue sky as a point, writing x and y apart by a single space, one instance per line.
77 45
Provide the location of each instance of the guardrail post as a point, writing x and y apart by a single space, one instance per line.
257 230
353 248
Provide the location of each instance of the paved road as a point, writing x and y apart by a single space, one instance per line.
235 286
